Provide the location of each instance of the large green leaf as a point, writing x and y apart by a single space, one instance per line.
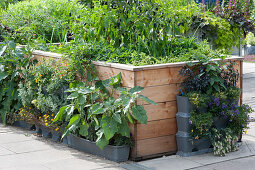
139 114
3 75
147 99
101 139
84 129
124 128
60 113
69 112
73 95
2 50
136 89
74 120
110 127
96 109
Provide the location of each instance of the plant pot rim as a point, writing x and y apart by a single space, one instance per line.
123 146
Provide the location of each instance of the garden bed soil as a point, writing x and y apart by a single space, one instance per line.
161 83
113 153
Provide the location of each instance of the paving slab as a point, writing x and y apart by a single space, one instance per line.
174 162
27 167
4 151
76 164
247 163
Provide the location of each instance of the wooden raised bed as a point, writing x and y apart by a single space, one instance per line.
161 83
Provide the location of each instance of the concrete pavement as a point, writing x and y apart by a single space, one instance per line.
21 150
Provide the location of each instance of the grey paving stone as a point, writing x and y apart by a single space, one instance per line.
26 146
75 164
247 163
13 137
4 151
170 162
27 167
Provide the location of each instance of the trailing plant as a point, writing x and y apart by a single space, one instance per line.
94 115
223 141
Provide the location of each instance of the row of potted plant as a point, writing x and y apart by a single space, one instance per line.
85 112
213 116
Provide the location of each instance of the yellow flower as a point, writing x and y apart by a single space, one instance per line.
57 129
192 130
52 115
29 108
196 137
46 124
40 75
206 129
40 117
245 131
36 81
51 119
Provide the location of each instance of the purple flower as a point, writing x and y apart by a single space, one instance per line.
230 120
223 106
222 113
232 107
236 112
190 122
210 104
217 101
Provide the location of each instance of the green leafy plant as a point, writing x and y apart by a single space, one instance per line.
12 60
198 99
94 115
48 20
200 125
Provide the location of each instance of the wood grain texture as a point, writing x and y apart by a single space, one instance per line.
157 128
154 146
127 77
156 77
164 110
160 94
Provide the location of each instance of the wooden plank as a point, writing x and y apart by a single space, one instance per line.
156 145
160 94
127 77
155 77
164 110
157 128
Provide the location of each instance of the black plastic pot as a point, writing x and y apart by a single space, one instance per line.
56 136
45 132
23 124
114 153
38 129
